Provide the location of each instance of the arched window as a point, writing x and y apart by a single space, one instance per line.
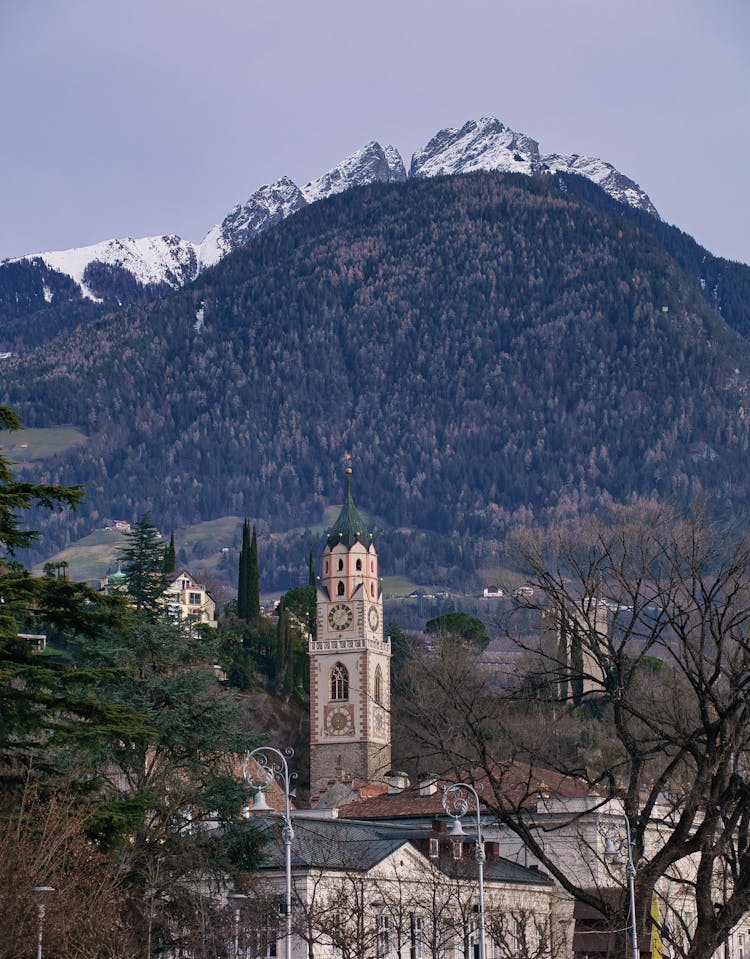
359 565
339 682
326 566
341 564
340 588
372 589
378 686
372 565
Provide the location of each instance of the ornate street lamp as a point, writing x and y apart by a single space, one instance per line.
269 765
456 805
613 844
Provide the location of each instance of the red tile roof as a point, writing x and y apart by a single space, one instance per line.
512 784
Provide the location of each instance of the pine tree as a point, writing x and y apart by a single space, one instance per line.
143 563
253 581
170 557
242 598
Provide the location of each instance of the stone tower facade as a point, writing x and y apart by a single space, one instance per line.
350 661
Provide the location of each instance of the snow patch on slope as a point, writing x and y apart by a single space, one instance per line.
620 187
150 260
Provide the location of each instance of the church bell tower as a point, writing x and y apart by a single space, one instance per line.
350 660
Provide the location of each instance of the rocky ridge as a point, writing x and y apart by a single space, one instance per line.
119 271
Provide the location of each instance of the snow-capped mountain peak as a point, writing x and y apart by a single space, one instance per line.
620 187
168 261
150 260
483 144
371 164
266 207
487 144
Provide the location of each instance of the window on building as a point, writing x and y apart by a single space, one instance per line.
372 589
340 588
458 849
358 566
185 583
434 847
339 682
378 686
417 937
326 566
194 599
341 564
741 946
383 936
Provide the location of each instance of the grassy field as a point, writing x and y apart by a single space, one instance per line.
90 557
399 585
28 446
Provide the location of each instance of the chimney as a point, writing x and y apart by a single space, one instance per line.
428 784
397 782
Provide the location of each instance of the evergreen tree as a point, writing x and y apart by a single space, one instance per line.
143 563
170 557
282 641
242 598
253 581
311 569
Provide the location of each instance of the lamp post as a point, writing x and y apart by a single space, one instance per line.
612 844
271 765
237 899
456 805
40 896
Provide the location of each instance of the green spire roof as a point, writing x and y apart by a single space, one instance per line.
350 526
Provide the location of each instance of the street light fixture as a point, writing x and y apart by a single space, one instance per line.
40 896
456 805
270 765
237 899
613 844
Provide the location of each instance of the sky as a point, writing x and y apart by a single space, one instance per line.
144 117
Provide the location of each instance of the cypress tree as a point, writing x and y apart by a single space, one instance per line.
282 639
311 569
242 605
170 557
253 581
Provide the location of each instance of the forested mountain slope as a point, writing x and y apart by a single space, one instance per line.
487 347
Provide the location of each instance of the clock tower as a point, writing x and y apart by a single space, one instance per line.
350 661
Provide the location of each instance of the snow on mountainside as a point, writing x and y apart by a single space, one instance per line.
266 207
371 164
604 175
484 144
487 144
150 260
270 204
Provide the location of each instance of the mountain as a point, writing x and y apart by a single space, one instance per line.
490 348
36 299
488 145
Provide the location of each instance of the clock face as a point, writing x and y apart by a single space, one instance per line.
339 721
340 616
373 617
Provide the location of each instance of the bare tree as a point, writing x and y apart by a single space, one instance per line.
637 694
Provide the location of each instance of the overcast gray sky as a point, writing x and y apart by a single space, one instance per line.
140 117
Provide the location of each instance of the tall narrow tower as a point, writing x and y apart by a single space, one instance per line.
350 660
